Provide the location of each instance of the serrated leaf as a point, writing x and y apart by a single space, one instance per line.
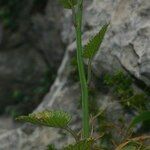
81 145
58 119
93 45
144 116
68 4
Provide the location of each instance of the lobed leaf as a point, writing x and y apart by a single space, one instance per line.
68 4
81 145
93 45
58 119
144 116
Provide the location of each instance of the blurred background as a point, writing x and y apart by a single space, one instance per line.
38 69
30 53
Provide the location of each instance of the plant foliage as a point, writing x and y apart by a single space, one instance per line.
51 147
93 45
57 119
81 145
136 143
68 4
143 116
122 88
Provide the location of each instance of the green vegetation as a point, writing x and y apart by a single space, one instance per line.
82 77
121 86
8 12
51 147
144 116
23 102
58 119
83 144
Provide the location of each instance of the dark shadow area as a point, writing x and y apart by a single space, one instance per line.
31 51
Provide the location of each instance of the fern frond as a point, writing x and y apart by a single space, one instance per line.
68 4
93 45
58 119
81 145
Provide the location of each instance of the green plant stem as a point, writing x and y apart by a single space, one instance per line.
72 133
83 82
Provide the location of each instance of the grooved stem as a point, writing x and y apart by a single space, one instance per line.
83 82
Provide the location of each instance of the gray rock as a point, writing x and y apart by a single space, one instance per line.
127 43
126 47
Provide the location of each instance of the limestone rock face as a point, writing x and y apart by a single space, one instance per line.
127 43
126 47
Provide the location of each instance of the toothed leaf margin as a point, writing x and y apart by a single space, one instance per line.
57 119
91 48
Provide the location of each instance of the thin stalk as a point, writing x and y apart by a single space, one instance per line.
72 133
83 82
